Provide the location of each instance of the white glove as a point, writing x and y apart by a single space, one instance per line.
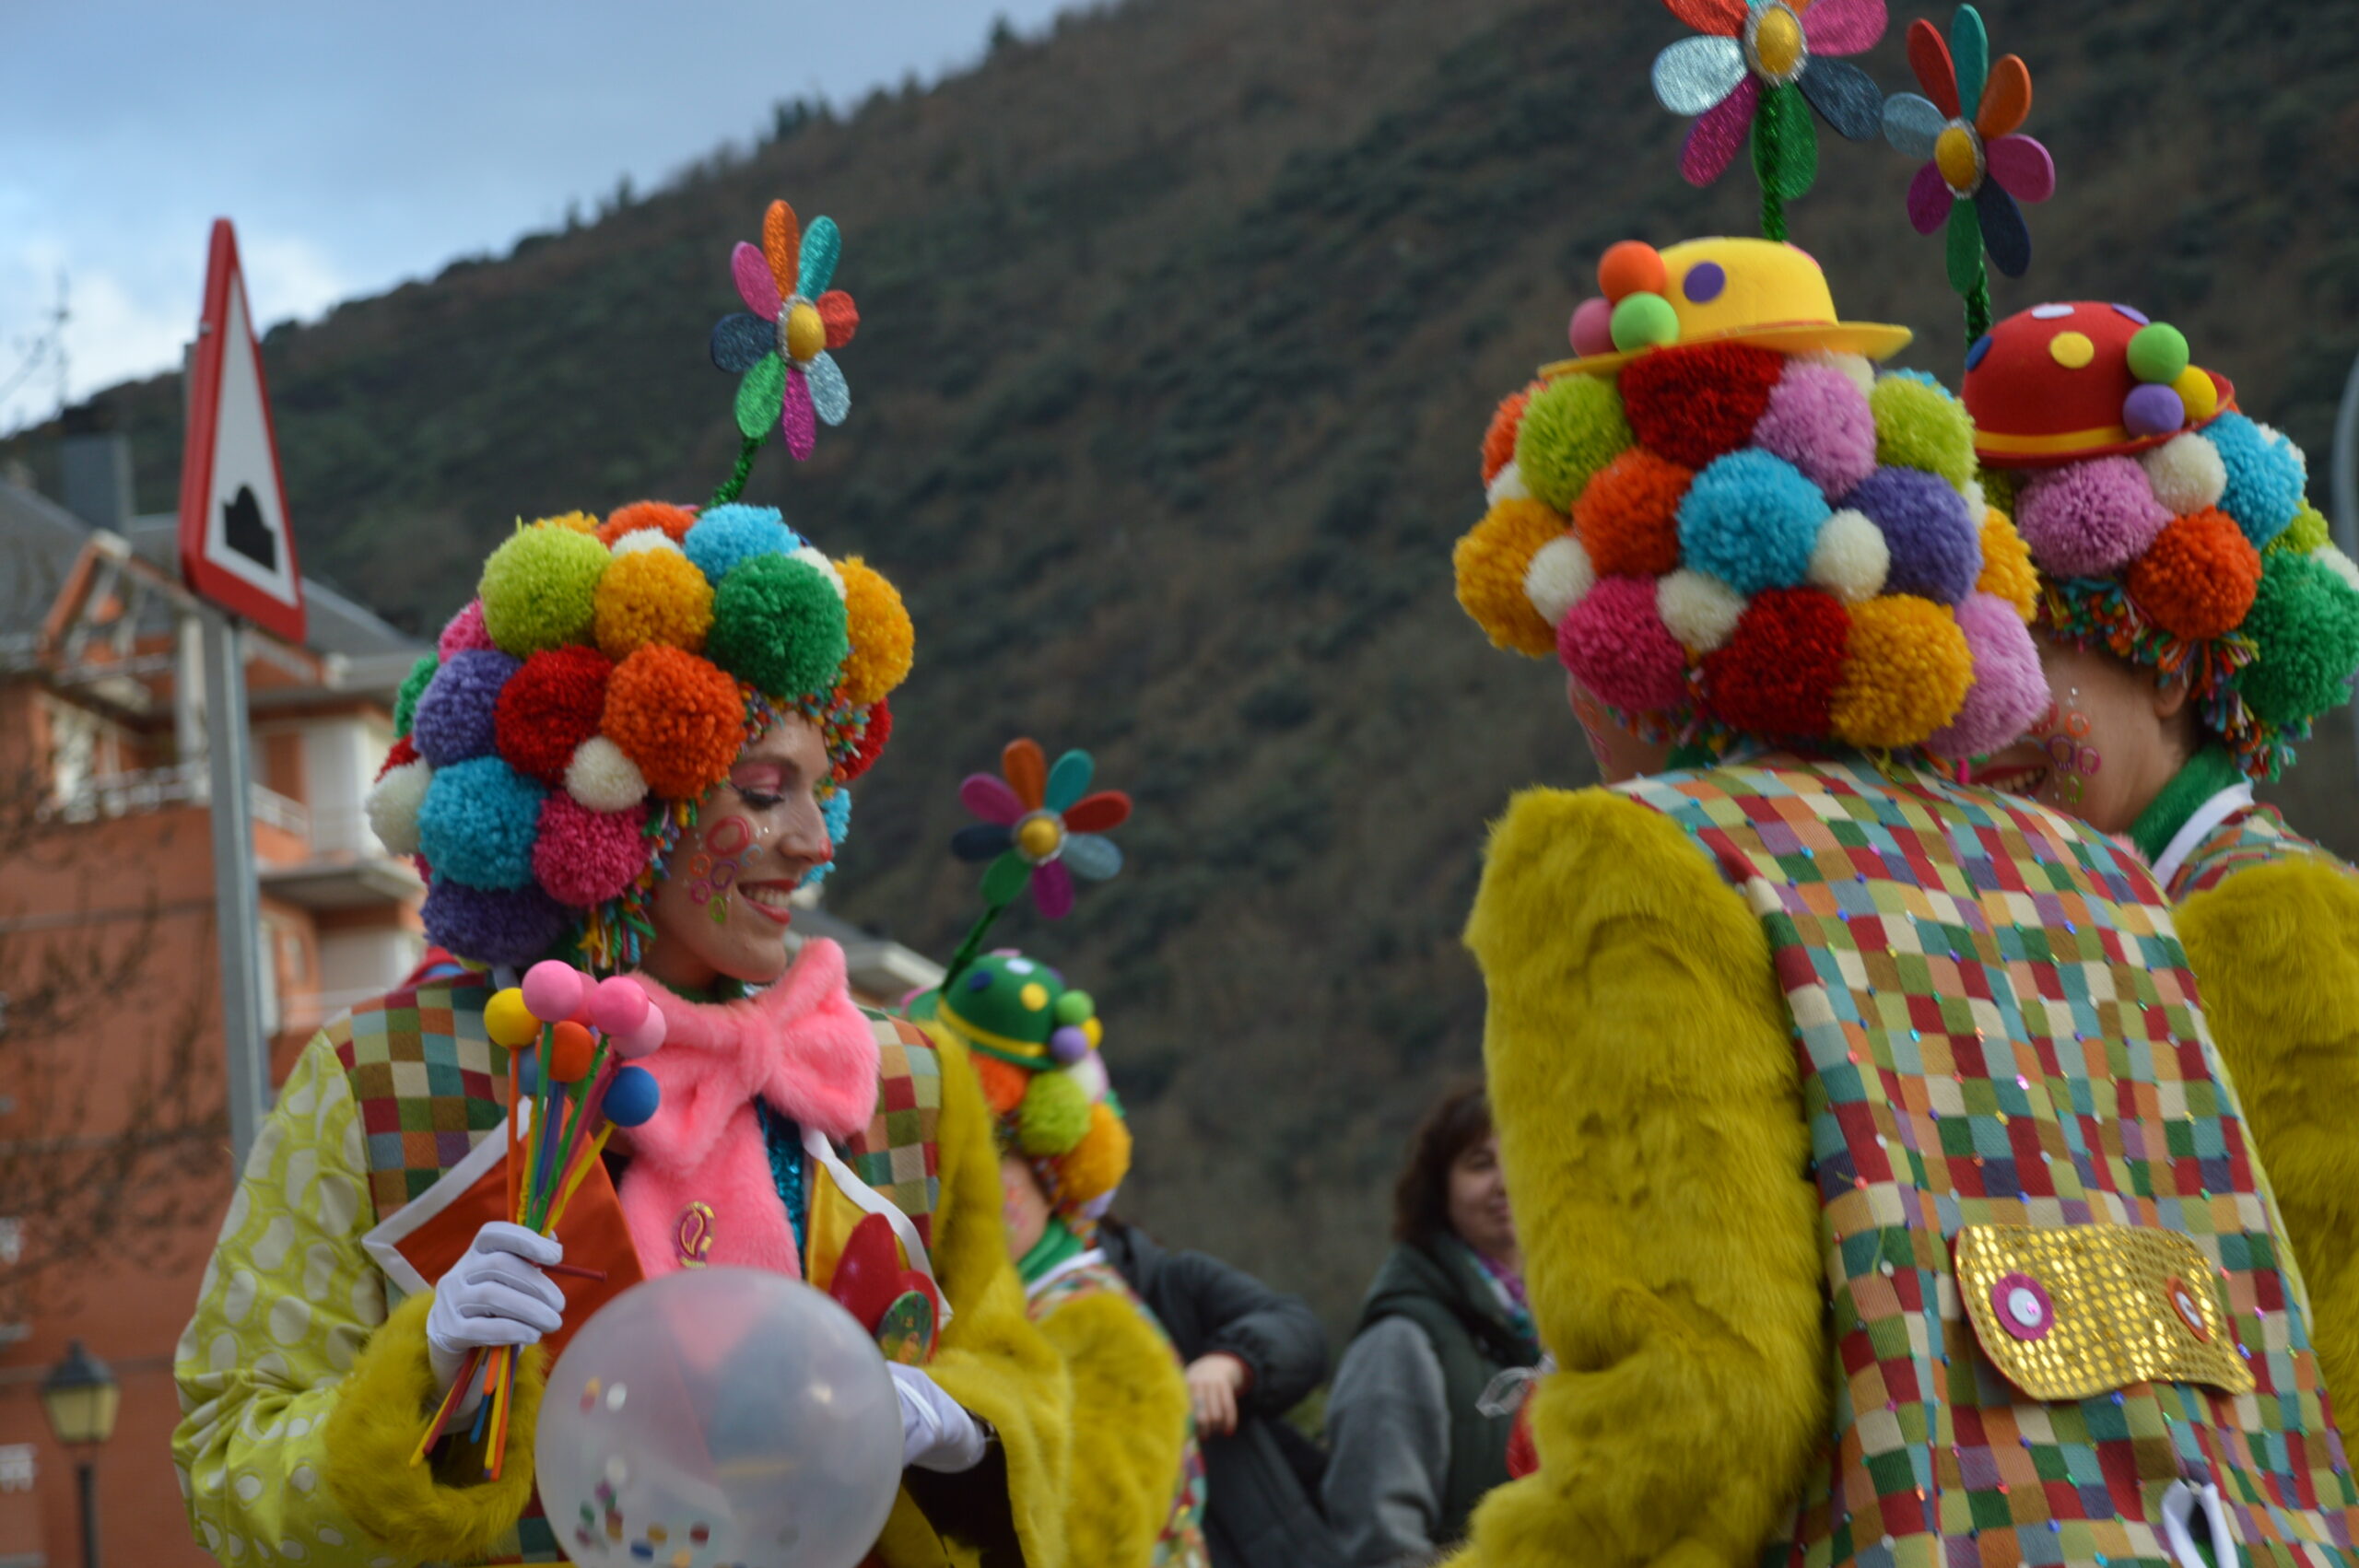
937 1432
495 1294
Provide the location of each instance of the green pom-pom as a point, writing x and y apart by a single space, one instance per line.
1572 428
2304 620
1999 488
2157 353
1644 321
1920 425
539 588
413 684
2306 531
779 624
1075 1008
1055 1116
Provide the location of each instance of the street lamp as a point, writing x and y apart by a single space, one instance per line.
80 1395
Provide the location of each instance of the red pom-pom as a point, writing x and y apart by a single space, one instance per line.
405 750
2197 577
549 706
1630 267
674 522
871 743
1615 643
679 719
1693 404
1626 518
1498 441
583 858
1776 674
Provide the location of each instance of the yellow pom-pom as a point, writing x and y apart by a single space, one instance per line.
2198 393
1099 1163
2007 571
651 596
1491 561
1095 1030
509 1021
1904 674
884 643
577 522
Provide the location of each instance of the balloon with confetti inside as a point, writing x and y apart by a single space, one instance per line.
720 1418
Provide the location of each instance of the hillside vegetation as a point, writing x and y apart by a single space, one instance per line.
1180 327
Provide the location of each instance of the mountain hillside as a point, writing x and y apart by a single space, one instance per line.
1181 328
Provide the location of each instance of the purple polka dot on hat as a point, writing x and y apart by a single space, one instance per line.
2135 313
1704 282
1936 548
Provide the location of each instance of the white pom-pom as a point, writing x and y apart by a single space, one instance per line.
1855 365
2186 475
1507 485
1978 505
392 806
2339 564
1699 611
1090 1073
601 779
640 539
1560 577
812 556
1850 557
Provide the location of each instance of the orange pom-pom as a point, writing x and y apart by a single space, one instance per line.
2007 571
677 717
674 522
570 1053
651 596
1003 1084
883 642
1626 518
575 523
1498 441
2197 577
1099 1163
1631 268
1491 560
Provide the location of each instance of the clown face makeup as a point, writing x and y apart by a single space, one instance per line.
2109 742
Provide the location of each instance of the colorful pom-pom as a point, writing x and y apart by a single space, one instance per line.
1644 321
677 719
728 536
673 522
1627 516
1591 328
1630 266
2185 474
1921 425
618 1005
1507 486
2198 577
402 751
2157 353
491 925
2007 572
477 823
463 633
1098 1165
1850 559
1855 369
392 806
1936 546
1560 577
2152 410
1700 611
633 1096
454 720
1818 420
1906 674
651 596
2198 392
2345 570
1004 1082
778 626
642 1039
1615 643
572 1050
554 991
2090 519
1693 404
508 1022
1776 675
600 777
583 858
2010 690
1053 1117
884 641
2265 472
548 708
1498 439
1751 519
2306 531
413 686
1068 1043
1572 428
1490 561
874 737
538 588
2304 623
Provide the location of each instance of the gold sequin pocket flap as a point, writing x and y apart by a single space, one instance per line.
2086 1309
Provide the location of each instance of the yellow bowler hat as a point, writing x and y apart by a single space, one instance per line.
1762 292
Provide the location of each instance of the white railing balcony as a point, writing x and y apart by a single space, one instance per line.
106 796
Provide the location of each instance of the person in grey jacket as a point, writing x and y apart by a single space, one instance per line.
1252 1354
1411 1450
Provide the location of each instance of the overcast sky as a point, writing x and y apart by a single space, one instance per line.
359 143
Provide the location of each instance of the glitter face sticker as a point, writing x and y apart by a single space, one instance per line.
2072 760
713 870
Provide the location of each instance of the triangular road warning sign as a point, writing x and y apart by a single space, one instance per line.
236 549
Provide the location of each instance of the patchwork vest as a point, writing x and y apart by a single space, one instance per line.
428 1086
2252 835
2056 1283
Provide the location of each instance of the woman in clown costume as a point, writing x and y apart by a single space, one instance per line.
1830 1089
1136 1498
630 748
2194 620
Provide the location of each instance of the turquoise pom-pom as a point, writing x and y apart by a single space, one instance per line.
477 823
836 811
725 536
2265 476
1751 519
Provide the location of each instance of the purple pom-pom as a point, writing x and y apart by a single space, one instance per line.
1936 549
1069 1044
2153 411
2090 519
1818 421
2010 691
492 925
1616 643
454 722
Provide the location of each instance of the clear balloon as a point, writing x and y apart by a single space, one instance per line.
717 1418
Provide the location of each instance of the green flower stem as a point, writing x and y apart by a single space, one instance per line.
734 485
974 942
1768 145
1977 309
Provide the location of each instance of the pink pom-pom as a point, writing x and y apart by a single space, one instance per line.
583 858
1593 327
463 633
617 1006
1818 421
2010 692
643 1040
552 990
1615 641
2090 519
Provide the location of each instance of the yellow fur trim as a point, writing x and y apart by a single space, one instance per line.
385 1403
1650 1121
2275 949
1129 1424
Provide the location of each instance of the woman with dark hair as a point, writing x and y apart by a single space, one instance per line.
1412 1450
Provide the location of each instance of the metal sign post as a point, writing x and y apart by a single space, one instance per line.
237 912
